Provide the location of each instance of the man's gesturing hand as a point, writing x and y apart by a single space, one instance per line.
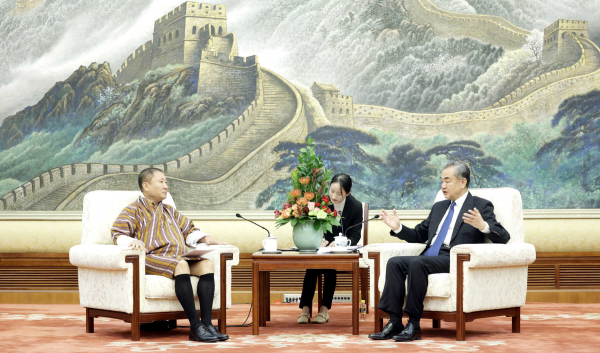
473 217
137 245
391 220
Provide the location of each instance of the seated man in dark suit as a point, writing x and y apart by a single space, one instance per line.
460 219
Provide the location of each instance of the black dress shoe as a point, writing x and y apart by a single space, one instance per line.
213 330
388 332
410 333
201 334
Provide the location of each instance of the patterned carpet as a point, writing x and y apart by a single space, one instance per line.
61 329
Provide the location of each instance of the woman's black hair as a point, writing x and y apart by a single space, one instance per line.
344 180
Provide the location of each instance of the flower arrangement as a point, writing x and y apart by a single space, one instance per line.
308 201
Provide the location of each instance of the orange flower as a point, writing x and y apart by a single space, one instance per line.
296 193
309 195
295 208
302 202
304 180
296 214
286 213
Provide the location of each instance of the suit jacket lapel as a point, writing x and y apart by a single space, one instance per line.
468 205
437 218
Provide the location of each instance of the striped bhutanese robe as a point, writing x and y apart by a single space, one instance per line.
162 228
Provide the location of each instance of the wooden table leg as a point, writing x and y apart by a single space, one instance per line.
355 272
255 298
263 302
364 291
268 295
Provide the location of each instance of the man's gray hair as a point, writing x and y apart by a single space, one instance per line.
461 170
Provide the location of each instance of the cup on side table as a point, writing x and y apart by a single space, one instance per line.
270 244
342 241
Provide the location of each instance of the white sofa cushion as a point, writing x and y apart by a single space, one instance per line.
440 285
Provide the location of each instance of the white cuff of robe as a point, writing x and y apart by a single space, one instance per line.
486 230
398 230
194 238
124 240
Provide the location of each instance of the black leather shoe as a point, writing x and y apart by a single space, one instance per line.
201 334
388 332
410 333
213 330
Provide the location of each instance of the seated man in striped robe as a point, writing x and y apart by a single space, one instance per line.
148 224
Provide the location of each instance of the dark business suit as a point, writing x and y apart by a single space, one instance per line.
352 214
417 268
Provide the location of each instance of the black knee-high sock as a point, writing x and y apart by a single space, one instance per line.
185 294
206 293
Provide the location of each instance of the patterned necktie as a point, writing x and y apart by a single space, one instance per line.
434 249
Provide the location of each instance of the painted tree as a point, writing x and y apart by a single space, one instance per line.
534 44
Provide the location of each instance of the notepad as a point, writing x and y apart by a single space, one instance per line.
200 251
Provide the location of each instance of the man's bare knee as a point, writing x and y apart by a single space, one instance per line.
203 267
182 268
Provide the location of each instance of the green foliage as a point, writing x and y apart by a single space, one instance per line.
310 179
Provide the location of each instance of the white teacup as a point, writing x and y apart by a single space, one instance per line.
270 244
342 241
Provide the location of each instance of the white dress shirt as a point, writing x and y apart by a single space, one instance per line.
340 206
457 207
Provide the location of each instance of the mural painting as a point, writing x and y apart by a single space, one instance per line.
222 97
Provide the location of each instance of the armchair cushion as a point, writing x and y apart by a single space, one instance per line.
440 285
161 287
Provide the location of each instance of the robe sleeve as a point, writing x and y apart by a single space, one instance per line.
126 224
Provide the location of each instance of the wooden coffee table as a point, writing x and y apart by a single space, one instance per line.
264 264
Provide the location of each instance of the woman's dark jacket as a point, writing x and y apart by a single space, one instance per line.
351 215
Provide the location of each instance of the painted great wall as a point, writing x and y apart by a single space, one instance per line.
488 29
231 169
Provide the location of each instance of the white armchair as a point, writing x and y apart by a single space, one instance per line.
485 280
112 280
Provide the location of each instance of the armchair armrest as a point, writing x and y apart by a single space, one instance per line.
496 255
102 257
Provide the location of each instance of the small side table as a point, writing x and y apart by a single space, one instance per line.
264 264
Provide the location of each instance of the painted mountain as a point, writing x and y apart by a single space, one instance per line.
222 96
